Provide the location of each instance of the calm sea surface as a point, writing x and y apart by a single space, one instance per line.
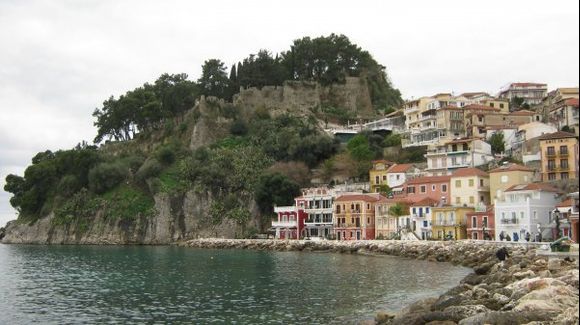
142 284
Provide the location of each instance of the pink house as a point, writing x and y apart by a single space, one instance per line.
433 187
481 224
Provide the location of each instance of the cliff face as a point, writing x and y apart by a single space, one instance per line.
300 97
178 218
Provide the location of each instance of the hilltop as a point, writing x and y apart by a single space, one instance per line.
178 159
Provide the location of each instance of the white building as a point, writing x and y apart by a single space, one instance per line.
421 218
398 174
532 93
318 208
526 209
444 159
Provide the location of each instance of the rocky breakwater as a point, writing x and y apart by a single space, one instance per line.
524 289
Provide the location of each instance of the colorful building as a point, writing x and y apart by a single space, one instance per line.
378 174
449 222
289 223
565 113
506 176
354 216
559 157
434 187
481 224
469 187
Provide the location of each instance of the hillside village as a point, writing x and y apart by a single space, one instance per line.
527 190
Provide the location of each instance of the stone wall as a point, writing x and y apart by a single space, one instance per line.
301 97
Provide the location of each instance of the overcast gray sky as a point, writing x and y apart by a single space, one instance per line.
60 59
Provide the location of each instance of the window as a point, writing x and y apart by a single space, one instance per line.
481 182
473 222
444 188
426 210
484 224
384 177
411 189
377 180
535 215
551 151
501 105
458 183
423 188
398 177
433 188
564 175
458 200
414 211
564 163
491 105
563 150
504 179
471 200
471 182
551 176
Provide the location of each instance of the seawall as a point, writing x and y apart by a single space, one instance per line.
526 288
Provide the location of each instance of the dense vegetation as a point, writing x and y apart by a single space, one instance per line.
260 158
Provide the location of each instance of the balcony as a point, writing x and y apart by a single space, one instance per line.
550 154
563 153
509 221
284 224
553 168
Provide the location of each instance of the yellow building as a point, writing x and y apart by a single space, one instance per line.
387 224
506 176
469 187
449 222
559 152
502 104
378 174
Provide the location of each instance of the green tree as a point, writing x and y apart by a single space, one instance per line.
274 189
497 143
359 149
214 79
397 210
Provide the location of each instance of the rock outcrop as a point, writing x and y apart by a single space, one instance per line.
177 218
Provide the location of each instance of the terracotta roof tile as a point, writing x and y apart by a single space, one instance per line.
557 135
425 202
511 168
572 102
565 203
399 168
469 171
543 187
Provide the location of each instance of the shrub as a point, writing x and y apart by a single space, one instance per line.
166 154
150 168
239 127
68 185
106 176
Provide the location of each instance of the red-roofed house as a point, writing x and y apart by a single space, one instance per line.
400 173
354 216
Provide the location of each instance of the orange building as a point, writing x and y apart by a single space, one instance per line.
354 216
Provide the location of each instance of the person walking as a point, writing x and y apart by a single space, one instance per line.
501 255
528 236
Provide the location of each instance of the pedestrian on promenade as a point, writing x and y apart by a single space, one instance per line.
528 236
501 236
508 238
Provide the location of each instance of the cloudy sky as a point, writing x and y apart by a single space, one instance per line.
60 59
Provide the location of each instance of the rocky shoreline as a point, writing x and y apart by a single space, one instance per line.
525 289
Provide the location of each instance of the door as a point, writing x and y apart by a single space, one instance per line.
358 235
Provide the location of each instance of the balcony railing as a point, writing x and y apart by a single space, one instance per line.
550 153
284 224
555 168
509 221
